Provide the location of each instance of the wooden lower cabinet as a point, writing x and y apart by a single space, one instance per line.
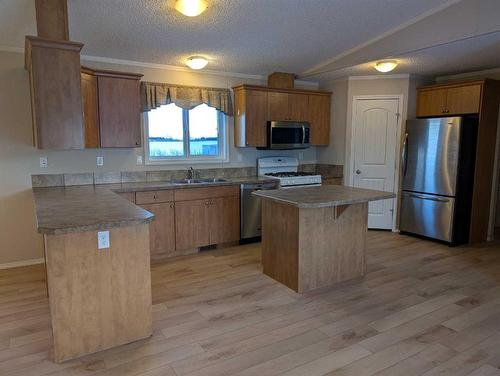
200 223
186 219
191 230
162 230
224 220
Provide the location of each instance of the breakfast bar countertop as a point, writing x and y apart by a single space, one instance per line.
323 196
80 208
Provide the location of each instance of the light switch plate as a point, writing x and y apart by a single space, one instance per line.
100 161
139 160
44 162
102 239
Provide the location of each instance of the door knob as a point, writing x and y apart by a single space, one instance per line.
358 171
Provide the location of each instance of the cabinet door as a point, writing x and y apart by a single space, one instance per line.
277 104
319 119
298 107
431 102
56 96
119 112
256 118
90 110
191 225
224 220
161 230
463 99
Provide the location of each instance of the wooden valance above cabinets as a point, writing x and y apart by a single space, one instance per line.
254 106
481 99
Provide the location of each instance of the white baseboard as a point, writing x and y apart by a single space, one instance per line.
17 264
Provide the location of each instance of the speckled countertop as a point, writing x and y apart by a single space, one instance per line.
80 208
323 196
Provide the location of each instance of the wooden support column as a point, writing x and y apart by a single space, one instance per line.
52 19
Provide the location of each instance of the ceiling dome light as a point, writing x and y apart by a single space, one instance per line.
196 62
191 8
386 65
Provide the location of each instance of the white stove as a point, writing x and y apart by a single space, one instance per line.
285 169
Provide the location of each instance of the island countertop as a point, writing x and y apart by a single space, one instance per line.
323 196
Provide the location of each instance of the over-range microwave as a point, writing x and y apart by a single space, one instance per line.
284 135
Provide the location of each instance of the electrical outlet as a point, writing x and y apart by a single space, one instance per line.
240 157
43 162
100 161
139 160
301 155
102 239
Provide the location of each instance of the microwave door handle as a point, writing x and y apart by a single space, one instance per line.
303 134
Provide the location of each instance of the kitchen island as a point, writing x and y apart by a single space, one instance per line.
314 237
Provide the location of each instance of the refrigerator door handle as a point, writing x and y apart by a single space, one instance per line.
422 197
404 155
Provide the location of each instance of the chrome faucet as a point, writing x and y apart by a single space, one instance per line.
191 173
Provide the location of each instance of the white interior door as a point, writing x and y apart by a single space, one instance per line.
375 123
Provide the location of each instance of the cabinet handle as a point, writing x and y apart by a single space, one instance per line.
171 206
155 197
137 143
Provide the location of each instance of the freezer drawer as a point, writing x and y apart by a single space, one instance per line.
427 215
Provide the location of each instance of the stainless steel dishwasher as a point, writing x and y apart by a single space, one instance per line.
251 211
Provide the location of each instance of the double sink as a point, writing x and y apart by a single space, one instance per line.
199 181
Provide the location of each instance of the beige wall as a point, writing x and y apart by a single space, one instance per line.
19 159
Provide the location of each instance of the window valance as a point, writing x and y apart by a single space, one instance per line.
154 95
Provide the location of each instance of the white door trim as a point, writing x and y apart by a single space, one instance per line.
349 154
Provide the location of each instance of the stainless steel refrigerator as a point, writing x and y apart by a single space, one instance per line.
438 159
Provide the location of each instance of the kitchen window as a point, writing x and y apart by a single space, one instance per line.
175 134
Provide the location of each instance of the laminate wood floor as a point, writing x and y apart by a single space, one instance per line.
422 309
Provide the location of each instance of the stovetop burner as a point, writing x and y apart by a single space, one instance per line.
289 174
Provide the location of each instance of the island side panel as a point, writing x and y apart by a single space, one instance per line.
280 231
99 298
331 245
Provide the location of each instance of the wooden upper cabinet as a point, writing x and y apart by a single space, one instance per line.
256 105
277 105
56 102
319 119
431 102
90 109
298 107
119 110
456 99
463 99
250 117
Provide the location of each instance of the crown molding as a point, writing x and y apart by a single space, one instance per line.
99 59
185 69
19 50
468 74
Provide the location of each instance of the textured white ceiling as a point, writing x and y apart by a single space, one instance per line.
300 36
468 55
245 36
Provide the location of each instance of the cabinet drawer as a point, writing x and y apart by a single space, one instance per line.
151 197
206 192
128 196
